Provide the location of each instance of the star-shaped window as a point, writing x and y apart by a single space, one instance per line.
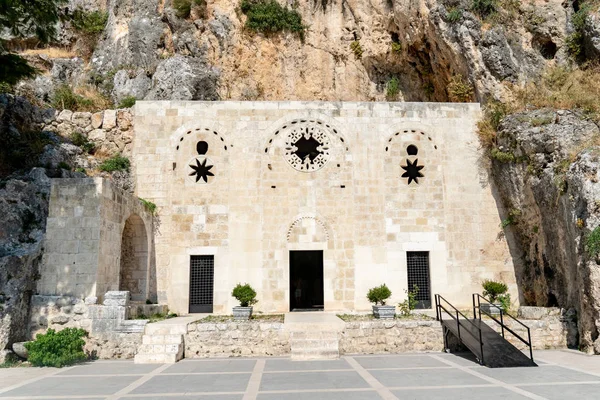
413 171
201 170
307 148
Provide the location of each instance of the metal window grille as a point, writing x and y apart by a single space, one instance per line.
417 263
202 276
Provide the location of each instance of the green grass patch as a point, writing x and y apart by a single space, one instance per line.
392 88
79 139
592 243
356 49
65 99
127 102
115 163
212 319
151 207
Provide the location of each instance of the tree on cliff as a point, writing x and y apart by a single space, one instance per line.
24 19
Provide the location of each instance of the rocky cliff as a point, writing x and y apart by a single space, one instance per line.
547 168
349 50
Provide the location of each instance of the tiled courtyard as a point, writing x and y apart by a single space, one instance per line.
561 375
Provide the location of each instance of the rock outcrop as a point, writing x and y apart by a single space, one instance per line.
349 51
548 175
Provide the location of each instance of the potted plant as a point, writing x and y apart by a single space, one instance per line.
247 297
378 295
496 293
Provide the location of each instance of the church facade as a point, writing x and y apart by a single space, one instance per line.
313 203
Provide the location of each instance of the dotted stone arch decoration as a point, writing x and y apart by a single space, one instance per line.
188 132
308 143
391 139
301 220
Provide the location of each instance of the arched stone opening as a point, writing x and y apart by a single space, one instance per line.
134 259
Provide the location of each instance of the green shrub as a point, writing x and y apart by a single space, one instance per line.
410 303
79 139
183 8
592 243
82 170
397 47
459 89
89 22
356 49
392 88
244 294
65 99
268 17
115 163
454 15
6 88
150 206
127 102
575 41
502 156
57 349
484 8
504 300
493 289
64 165
379 294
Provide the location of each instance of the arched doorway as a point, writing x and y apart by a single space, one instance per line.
134 259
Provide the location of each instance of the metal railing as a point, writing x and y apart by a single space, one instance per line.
455 315
477 306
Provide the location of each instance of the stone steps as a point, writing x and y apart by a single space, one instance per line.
314 336
314 345
161 344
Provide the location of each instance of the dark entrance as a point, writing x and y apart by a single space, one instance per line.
202 277
306 280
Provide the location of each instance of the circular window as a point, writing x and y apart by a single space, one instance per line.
307 148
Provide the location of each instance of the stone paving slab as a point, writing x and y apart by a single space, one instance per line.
312 380
391 361
110 368
289 365
54 386
430 376
194 383
194 366
487 393
545 374
345 395
560 392
425 377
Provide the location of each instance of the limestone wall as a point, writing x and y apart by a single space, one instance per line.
84 236
395 336
110 333
236 339
110 130
357 208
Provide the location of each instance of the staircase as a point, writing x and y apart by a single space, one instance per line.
313 335
163 342
489 346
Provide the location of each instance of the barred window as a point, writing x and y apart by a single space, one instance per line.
417 263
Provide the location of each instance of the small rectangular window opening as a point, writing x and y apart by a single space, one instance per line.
417 264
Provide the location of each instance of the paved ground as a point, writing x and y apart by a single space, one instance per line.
561 375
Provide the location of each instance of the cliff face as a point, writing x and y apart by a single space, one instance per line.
351 49
414 41
549 181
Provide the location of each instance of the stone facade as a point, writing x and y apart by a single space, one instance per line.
236 339
86 250
361 201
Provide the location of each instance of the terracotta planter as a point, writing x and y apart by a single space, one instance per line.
384 312
242 313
